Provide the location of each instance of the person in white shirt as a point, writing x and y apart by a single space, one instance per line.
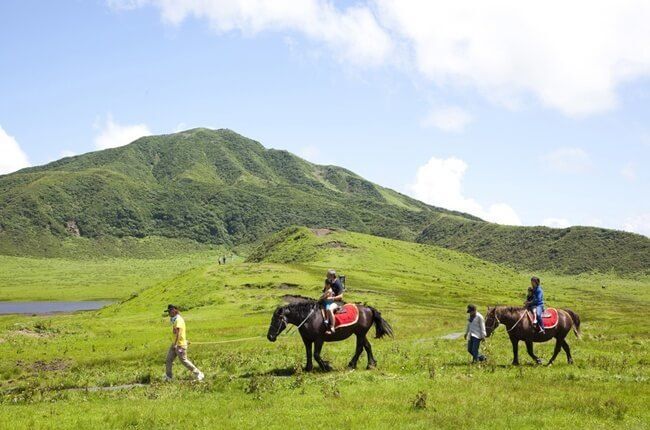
476 331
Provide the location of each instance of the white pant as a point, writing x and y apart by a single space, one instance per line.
181 353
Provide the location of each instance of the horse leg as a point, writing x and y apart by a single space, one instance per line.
308 348
324 365
556 351
529 348
565 345
372 363
360 342
515 351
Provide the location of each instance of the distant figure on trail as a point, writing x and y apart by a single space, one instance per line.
179 345
535 301
332 292
476 330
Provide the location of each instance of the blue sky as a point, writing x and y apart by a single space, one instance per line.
512 111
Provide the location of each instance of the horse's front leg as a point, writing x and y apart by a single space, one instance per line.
308 348
361 340
515 351
529 348
324 365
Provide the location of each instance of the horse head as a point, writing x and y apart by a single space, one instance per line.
278 323
491 321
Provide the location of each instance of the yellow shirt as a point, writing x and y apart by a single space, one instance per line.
179 323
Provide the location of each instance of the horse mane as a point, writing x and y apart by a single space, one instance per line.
511 308
299 305
507 309
296 298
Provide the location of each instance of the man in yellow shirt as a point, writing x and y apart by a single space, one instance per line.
179 345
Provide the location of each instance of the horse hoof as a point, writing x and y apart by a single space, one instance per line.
538 361
549 364
352 366
515 363
371 366
308 369
570 361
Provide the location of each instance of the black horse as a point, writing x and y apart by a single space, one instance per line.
305 313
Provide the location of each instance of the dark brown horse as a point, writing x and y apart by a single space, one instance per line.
306 315
520 327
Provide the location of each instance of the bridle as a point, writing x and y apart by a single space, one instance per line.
285 322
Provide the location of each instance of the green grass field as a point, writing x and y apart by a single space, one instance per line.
51 365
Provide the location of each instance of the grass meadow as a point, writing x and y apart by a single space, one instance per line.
65 371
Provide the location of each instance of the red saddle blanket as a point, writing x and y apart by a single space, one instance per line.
549 317
346 315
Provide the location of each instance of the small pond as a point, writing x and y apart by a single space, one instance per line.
49 307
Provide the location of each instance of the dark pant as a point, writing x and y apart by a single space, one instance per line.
473 345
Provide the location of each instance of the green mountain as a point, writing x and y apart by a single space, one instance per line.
210 187
204 188
569 250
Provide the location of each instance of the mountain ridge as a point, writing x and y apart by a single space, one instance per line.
216 187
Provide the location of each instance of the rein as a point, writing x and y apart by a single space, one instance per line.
303 321
508 330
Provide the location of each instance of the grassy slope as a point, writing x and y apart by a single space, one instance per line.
215 187
420 289
27 278
570 250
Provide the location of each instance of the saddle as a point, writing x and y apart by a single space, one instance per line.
346 315
549 317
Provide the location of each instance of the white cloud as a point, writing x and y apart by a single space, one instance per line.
450 119
439 183
112 134
629 172
12 157
638 224
569 160
352 34
570 56
556 222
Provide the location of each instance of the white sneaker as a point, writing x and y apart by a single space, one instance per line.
200 376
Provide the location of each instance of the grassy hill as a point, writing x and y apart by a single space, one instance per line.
197 189
208 186
52 365
568 250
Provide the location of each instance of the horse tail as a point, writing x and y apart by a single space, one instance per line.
576 322
382 328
